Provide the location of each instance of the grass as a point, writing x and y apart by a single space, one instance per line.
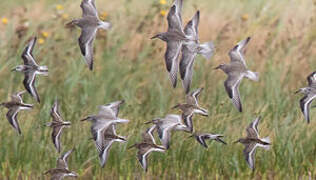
128 65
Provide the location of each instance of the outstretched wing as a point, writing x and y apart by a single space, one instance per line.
236 54
232 88
12 118
249 153
252 129
88 8
86 40
27 55
57 130
191 29
171 58
186 66
29 84
312 79
55 112
305 104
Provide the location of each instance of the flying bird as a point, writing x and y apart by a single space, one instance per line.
30 69
201 137
14 106
190 49
146 146
191 107
89 24
61 171
166 125
109 136
236 70
174 37
103 130
309 95
252 141
57 125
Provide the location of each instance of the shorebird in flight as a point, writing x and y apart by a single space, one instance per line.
62 170
30 69
15 105
57 124
252 141
105 119
236 71
166 125
310 95
109 136
89 24
146 146
191 107
201 137
174 37
190 49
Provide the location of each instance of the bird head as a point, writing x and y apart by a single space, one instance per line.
18 68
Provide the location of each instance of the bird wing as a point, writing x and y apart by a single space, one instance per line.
103 153
312 79
12 118
27 55
191 29
57 130
187 119
305 104
252 129
86 40
186 66
192 98
171 58
62 162
29 84
249 153
148 136
174 20
232 88
201 140
16 97
55 112
88 8
236 54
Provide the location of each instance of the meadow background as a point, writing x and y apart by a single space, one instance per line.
130 66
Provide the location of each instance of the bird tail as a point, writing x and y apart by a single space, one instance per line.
207 49
266 140
252 75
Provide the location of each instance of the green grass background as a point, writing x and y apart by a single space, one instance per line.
130 66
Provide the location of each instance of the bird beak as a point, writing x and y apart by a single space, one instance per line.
154 37
189 137
296 91
236 142
174 107
216 68
13 69
84 119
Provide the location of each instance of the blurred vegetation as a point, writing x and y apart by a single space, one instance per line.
130 66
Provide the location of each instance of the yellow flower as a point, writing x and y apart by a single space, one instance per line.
163 2
65 16
103 16
245 17
163 12
59 7
41 41
45 34
4 20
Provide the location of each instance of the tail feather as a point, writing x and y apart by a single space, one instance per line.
207 49
252 75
